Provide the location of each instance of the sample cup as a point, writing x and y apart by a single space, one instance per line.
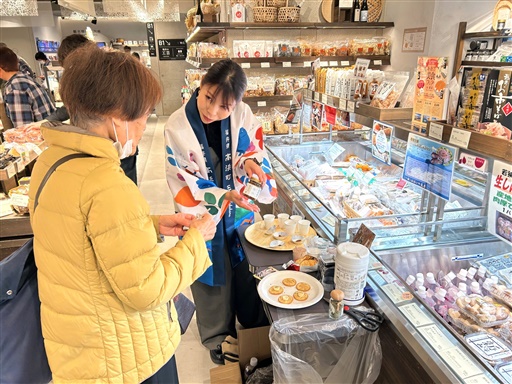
269 220
303 227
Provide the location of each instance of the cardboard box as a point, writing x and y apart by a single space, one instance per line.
253 342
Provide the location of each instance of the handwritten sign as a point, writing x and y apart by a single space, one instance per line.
436 131
460 137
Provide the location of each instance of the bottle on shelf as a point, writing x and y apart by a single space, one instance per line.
249 368
431 282
440 306
475 288
422 292
420 276
480 275
199 13
461 277
471 275
364 11
419 283
487 286
447 280
356 11
463 287
410 281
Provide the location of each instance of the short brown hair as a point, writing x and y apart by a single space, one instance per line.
99 84
70 43
8 60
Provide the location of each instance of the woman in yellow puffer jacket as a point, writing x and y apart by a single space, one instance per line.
106 289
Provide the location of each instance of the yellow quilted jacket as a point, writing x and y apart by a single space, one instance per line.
104 285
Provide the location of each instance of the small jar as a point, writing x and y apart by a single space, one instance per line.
253 188
336 304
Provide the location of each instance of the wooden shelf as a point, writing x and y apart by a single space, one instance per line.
485 64
268 101
204 31
486 35
293 62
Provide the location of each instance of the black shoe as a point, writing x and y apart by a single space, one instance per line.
217 356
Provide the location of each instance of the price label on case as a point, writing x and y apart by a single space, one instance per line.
343 104
265 65
245 65
287 64
324 63
261 103
344 63
351 106
377 62
333 63
324 98
307 64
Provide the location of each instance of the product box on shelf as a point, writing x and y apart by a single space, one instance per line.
385 114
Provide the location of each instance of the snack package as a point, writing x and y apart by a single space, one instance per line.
19 199
389 91
483 310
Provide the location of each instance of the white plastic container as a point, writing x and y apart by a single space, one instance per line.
351 269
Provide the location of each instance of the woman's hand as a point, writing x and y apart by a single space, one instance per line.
206 226
241 201
172 225
251 168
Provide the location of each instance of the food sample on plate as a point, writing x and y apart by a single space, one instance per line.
275 290
303 287
289 282
301 296
285 299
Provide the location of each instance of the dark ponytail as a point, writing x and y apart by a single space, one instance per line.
229 78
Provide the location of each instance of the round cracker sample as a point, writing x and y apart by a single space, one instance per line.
285 299
275 290
301 296
303 287
289 282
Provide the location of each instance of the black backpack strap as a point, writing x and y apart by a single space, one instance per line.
52 169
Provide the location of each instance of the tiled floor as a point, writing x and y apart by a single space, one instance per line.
193 359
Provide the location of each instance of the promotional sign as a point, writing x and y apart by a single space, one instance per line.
431 79
429 165
381 141
473 162
150 30
499 218
172 49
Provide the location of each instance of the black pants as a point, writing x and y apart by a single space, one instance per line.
168 374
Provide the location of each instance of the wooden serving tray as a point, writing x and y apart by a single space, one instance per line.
255 234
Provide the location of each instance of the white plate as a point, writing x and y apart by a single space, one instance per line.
315 293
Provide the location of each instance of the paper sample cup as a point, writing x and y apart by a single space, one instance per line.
289 227
303 227
268 220
282 218
296 218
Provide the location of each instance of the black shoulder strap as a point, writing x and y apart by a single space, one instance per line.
52 169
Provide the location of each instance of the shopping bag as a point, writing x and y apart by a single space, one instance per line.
185 309
22 354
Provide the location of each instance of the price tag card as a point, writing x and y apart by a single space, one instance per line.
330 100
343 104
316 96
265 65
460 137
34 147
483 379
377 62
307 64
330 220
435 337
414 315
19 199
5 207
374 263
436 131
472 162
377 278
294 183
459 362
394 292
288 177
309 93
245 65
303 192
324 98
333 63
351 106
324 63
344 63
287 64
313 204
334 152
261 103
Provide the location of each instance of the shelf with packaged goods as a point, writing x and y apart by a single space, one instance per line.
487 145
268 101
204 31
293 62
466 63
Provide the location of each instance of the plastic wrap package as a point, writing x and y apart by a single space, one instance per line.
315 349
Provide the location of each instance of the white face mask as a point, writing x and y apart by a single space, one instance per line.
125 150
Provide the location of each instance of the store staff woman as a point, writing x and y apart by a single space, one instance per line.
213 144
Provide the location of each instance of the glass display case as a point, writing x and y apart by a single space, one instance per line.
339 186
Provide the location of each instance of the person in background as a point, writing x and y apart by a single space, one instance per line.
23 65
42 58
106 289
25 100
127 49
136 55
214 144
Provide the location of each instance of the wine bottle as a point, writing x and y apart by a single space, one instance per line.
364 11
356 11
199 13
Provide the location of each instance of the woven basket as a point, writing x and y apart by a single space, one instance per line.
288 15
276 3
265 14
374 10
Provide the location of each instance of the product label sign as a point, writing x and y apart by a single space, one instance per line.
499 218
394 292
435 337
382 135
436 131
459 362
483 379
460 137
429 164
334 152
472 162
414 314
